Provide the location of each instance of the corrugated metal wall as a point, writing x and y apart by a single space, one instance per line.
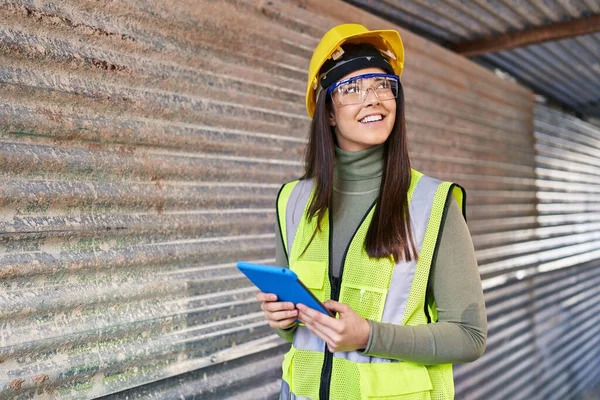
142 145
544 332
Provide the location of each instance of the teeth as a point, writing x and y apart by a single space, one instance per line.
371 118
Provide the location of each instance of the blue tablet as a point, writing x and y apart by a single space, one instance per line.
283 282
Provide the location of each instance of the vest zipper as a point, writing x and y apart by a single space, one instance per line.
328 356
335 284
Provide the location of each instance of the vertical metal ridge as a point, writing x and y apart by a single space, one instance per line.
542 291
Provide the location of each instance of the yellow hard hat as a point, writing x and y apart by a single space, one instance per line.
388 42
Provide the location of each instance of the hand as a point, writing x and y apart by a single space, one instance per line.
279 314
349 332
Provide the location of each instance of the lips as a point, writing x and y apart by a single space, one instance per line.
372 118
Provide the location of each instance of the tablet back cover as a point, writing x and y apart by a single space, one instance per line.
281 281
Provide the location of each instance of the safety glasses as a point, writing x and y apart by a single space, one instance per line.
355 90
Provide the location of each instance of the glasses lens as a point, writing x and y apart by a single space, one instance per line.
356 91
350 92
386 88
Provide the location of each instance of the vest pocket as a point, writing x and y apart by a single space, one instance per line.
368 302
312 274
394 381
304 372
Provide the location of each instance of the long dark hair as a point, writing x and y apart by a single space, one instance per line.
390 232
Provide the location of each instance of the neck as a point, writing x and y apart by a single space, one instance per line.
358 171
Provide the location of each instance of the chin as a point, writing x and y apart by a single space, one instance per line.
377 139
373 143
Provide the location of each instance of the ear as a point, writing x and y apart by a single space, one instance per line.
332 118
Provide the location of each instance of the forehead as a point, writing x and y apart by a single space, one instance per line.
371 70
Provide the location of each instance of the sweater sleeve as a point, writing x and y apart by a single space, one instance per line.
460 333
281 260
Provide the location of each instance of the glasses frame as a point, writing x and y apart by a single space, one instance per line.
335 85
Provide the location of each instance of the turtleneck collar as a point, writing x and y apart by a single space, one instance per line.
358 171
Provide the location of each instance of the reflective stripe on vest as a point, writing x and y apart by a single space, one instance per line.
396 294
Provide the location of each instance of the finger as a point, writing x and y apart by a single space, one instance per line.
328 326
315 315
283 324
260 296
273 306
319 331
325 329
336 306
281 315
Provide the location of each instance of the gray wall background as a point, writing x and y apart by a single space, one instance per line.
142 144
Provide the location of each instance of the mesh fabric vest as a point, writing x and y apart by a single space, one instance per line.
378 289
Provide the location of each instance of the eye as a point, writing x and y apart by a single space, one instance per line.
349 88
383 84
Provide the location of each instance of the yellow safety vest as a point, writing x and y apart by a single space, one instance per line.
378 289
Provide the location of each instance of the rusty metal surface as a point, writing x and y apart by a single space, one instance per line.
142 144
566 71
140 156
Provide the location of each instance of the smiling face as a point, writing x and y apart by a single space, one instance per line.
360 126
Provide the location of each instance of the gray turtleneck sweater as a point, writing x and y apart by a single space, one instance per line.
460 333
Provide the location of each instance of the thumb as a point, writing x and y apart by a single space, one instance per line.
336 306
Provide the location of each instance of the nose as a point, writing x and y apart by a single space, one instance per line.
371 99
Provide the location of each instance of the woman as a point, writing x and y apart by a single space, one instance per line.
385 247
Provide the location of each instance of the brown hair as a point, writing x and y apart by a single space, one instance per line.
390 232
